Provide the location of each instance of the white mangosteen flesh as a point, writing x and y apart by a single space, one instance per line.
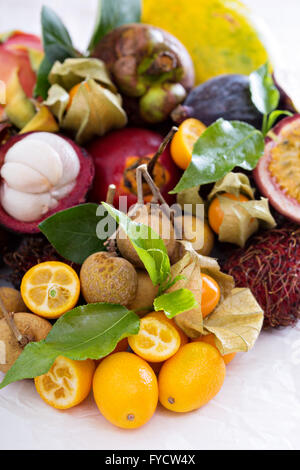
38 171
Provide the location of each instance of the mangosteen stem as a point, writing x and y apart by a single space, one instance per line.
22 340
161 149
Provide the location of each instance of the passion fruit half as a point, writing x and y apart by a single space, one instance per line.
24 179
277 174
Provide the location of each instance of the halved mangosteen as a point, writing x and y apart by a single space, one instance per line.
277 174
41 173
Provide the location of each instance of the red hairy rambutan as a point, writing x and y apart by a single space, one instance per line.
270 267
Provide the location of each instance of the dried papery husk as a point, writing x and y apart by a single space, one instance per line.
73 71
243 219
94 110
233 183
236 322
190 266
192 197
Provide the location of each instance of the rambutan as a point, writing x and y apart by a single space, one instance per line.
270 267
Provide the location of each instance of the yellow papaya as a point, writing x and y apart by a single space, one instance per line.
219 34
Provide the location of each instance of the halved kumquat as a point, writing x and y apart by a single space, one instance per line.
50 289
157 340
67 383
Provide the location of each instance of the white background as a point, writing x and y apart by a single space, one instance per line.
259 404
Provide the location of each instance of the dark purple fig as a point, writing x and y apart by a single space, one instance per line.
151 68
225 96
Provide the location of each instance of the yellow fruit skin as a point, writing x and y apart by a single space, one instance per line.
125 390
218 34
84 371
191 378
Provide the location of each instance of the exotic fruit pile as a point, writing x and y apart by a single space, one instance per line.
144 256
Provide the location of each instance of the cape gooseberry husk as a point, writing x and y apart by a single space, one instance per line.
33 327
198 232
152 216
105 277
145 294
12 300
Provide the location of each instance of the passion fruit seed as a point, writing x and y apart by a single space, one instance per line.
107 278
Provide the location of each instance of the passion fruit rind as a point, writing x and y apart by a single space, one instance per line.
277 174
76 196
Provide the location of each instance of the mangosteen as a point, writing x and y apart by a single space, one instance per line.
277 174
41 173
151 68
225 96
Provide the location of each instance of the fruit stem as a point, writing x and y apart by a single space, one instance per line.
161 149
22 340
111 194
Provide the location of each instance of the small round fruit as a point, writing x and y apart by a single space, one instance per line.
108 278
74 91
157 340
191 378
215 213
125 390
198 233
145 294
33 327
159 222
12 300
210 339
211 294
67 383
50 289
184 140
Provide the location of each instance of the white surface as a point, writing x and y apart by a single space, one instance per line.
259 404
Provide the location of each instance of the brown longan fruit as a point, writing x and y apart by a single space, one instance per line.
12 300
145 294
105 277
32 326
202 243
159 222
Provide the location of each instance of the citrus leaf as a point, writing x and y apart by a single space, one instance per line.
89 331
73 233
176 302
223 146
147 243
112 14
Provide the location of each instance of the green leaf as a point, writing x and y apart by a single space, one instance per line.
73 232
148 245
112 14
89 331
264 94
57 46
42 84
173 303
272 118
223 146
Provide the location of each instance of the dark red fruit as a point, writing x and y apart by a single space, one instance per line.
116 157
270 267
75 197
277 174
